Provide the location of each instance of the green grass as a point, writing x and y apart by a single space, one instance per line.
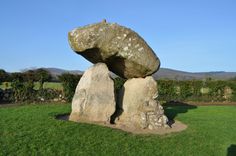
5 85
52 85
32 130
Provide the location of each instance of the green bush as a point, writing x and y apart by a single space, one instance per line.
186 90
232 85
216 90
167 90
42 76
170 90
23 91
69 83
48 94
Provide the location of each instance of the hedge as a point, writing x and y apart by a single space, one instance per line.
192 90
169 90
196 90
69 83
25 92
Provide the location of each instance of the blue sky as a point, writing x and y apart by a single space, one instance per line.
189 35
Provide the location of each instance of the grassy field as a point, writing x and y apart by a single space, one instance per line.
52 85
33 130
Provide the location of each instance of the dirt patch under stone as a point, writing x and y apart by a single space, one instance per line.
177 126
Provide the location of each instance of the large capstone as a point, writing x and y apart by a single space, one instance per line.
94 98
138 105
123 50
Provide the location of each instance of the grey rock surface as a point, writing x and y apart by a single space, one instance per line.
123 50
94 98
139 104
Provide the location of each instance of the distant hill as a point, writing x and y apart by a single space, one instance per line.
163 73
57 71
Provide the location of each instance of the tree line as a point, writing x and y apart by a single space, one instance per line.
22 84
208 90
38 75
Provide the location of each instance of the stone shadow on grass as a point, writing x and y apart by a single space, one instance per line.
171 111
231 151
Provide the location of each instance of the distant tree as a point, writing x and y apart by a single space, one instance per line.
42 76
17 76
30 75
4 76
209 79
69 83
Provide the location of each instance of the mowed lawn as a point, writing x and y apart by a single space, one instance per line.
33 130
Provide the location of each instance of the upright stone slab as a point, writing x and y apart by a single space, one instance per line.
94 98
140 108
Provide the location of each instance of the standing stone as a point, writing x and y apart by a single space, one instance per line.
140 108
123 50
94 98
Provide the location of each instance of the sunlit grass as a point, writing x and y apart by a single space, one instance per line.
33 130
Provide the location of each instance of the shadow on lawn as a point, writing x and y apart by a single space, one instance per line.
231 151
171 111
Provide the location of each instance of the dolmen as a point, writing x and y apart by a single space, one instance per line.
111 47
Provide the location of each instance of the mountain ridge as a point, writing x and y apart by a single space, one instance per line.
165 73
